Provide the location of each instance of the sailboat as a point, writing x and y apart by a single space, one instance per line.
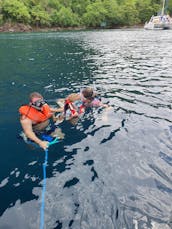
162 21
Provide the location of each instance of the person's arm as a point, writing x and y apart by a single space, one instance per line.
104 105
98 103
27 128
60 117
54 110
73 97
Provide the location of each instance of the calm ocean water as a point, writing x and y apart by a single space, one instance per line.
114 168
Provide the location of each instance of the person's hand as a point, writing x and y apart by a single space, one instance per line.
109 108
43 144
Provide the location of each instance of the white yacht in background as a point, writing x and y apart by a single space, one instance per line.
162 21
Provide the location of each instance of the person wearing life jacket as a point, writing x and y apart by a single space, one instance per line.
76 103
35 117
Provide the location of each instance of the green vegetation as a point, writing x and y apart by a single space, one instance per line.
73 13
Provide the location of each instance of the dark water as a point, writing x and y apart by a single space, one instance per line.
114 168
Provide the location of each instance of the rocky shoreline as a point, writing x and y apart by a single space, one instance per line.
19 27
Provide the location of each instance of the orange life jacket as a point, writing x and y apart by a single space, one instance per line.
35 115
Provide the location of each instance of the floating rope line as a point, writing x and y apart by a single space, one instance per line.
44 183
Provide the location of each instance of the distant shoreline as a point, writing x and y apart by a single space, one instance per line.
19 27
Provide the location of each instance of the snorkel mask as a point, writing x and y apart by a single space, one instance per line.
36 101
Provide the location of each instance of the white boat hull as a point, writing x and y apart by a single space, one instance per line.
152 26
159 22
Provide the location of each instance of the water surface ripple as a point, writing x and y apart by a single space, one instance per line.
114 167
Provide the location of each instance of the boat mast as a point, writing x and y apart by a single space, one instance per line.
163 6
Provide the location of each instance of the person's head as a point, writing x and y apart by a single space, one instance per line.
88 93
35 96
36 100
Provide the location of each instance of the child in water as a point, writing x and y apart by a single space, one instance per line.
76 103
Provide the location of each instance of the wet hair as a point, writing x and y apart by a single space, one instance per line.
88 93
35 95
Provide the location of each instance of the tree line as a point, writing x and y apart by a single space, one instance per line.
73 13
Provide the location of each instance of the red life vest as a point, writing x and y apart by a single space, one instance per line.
74 110
35 115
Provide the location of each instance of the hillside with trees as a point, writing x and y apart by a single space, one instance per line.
79 13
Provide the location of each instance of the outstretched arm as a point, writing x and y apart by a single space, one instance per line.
54 110
74 97
105 105
27 128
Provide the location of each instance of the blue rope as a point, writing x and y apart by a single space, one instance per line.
43 190
44 183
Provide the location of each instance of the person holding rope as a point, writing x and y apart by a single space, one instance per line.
35 117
